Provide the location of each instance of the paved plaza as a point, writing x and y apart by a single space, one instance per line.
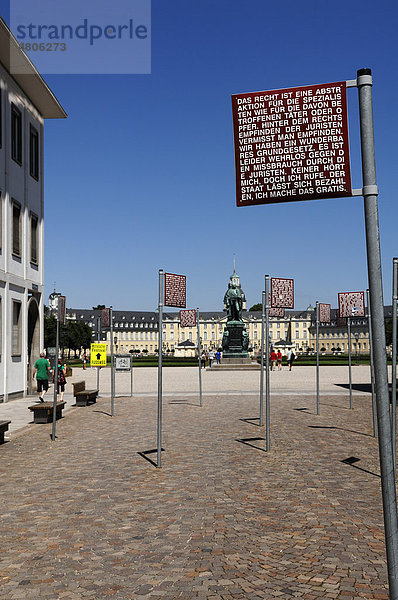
87 516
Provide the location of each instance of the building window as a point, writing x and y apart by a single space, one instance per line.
16 229
34 256
16 134
16 328
34 153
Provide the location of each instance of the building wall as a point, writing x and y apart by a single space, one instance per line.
20 277
139 330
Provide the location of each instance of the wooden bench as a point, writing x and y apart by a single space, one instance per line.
43 411
3 428
84 397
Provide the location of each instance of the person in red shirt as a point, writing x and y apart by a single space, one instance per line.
272 358
279 360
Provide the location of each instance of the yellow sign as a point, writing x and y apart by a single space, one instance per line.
98 355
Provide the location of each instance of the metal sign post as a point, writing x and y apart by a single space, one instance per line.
322 316
370 192
372 368
98 340
262 361
61 314
160 359
317 357
267 394
349 358
112 365
351 304
131 377
394 360
199 357
55 381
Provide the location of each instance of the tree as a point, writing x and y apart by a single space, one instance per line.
256 307
388 326
79 335
99 307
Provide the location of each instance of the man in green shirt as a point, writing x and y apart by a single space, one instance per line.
42 368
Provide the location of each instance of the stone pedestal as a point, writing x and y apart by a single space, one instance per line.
235 341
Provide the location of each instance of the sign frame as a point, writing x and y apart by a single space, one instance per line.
289 289
350 297
274 129
172 297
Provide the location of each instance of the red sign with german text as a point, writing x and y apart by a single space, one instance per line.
175 290
351 304
282 293
291 144
188 318
324 313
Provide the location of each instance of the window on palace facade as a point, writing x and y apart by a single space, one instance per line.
16 335
34 153
34 239
16 229
16 134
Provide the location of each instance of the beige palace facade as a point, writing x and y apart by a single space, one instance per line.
138 331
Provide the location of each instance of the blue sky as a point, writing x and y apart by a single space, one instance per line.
141 174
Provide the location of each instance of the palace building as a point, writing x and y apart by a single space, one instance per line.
138 331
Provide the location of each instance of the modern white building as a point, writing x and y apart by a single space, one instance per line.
25 101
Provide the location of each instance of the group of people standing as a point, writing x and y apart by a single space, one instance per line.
275 359
42 371
204 357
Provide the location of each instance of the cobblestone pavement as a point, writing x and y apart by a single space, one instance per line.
87 516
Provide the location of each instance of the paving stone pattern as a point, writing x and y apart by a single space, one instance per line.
88 517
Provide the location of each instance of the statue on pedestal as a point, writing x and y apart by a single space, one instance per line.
235 341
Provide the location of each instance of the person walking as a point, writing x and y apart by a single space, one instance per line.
84 360
279 360
42 369
218 357
61 381
290 358
203 359
211 358
272 358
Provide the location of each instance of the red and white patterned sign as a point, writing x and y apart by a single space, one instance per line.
352 304
282 293
324 313
275 312
105 317
188 318
175 290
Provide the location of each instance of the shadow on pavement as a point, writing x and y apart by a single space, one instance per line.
340 428
359 387
246 441
249 420
145 453
352 459
183 402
